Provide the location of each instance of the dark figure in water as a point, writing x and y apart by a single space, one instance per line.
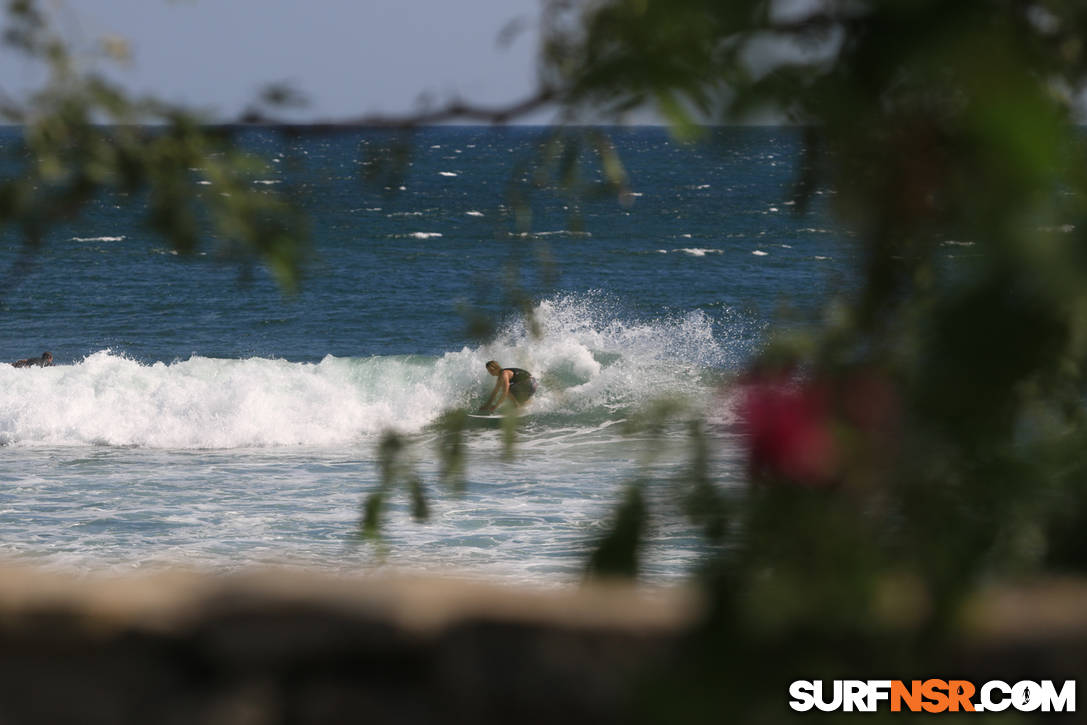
44 361
514 383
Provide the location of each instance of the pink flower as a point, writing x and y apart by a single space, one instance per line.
789 428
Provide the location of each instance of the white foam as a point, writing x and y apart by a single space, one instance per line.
759 253
448 173
590 359
474 213
425 235
698 251
203 403
99 239
557 232
607 361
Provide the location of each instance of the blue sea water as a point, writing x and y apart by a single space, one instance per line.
198 416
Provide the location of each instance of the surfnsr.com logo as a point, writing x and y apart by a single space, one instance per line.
932 695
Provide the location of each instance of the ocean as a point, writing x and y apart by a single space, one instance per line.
197 416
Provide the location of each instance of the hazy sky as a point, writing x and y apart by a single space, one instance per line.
349 57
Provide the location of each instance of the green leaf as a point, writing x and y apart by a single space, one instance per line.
618 553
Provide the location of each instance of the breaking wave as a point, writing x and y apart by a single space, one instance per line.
593 363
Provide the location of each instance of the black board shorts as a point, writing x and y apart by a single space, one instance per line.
523 390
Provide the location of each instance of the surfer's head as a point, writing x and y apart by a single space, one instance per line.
493 368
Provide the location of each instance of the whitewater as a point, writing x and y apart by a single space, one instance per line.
590 368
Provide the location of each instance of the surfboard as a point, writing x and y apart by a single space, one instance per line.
481 418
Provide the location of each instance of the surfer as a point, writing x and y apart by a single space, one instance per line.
44 361
513 383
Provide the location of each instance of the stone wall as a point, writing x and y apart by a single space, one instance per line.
285 647
282 647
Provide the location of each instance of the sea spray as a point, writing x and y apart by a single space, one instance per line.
594 356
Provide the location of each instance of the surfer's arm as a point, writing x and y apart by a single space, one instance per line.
494 392
502 385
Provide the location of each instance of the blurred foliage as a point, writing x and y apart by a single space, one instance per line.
397 471
929 438
85 136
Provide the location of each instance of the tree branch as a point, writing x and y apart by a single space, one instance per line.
457 109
